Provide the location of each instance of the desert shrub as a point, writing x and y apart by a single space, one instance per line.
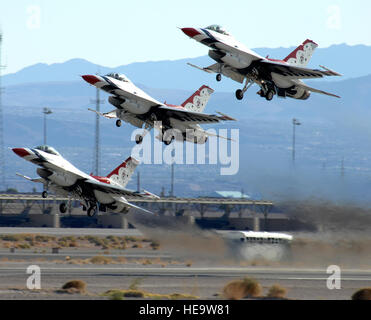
116 294
120 294
72 286
95 240
239 289
100 260
41 238
183 296
155 245
30 237
68 238
277 291
135 284
22 246
121 260
62 243
188 263
362 294
11 237
146 262
72 244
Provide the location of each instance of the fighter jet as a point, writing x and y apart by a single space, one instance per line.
96 193
274 77
139 109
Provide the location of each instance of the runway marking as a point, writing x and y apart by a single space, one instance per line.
181 271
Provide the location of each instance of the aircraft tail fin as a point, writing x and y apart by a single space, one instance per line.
198 101
122 174
302 54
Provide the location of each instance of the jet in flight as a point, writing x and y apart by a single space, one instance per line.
96 193
136 107
274 77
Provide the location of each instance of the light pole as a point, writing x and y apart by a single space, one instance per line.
172 181
45 112
97 101
295 122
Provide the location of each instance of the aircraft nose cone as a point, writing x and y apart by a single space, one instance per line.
90 79
22 152
190 32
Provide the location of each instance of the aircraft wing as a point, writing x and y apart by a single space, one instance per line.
304 86
293 72
109 115
187 116
116 191
222 68
40 180
123 200
210 69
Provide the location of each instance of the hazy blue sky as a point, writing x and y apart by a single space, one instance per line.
118 32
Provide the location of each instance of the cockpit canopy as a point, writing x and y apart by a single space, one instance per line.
217 28
117 76
48 149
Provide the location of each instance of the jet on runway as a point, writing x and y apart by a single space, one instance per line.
274 77
136 107
96 193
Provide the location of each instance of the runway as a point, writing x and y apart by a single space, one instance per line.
205 282
158 271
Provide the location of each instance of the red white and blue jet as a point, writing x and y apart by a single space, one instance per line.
96 193
274 77
136 107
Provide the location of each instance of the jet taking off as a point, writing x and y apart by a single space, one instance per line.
96 193
236 61
136 107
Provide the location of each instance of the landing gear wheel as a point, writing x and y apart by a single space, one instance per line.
270 94
44 194
138 139
239 94
167 142
118 123
218 77
62 208
261 93
91 211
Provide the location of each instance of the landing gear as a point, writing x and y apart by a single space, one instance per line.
167 136
261 93
167 142
269 95
44 194
267 91
62 208
218 77
118 123
147 128
92 210
239 94
138 139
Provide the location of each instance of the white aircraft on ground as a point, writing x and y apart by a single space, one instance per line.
136 107
96 193
236 61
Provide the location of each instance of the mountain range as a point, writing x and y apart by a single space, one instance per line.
351 61
332 129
